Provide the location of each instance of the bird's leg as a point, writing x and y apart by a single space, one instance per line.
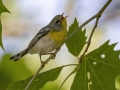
57 49
53 54
42 62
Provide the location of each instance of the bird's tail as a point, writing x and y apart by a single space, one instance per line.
19 55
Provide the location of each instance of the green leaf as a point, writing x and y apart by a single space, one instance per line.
39 81
76 43
2 9
98 69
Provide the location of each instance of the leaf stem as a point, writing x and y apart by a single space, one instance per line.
70 65
89 40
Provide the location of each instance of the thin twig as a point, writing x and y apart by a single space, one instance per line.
40 68
98 15
93 17
89 40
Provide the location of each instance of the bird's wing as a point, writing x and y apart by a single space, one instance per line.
39 35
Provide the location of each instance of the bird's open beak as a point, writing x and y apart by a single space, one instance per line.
62 14
65 16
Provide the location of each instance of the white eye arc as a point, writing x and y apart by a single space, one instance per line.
57 21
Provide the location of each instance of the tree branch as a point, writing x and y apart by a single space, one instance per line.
89 20
97 16
40 68
89 40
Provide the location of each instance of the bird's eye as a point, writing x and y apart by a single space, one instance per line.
57 21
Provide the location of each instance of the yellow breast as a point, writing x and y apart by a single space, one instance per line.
59 36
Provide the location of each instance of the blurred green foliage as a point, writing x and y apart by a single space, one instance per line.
12 71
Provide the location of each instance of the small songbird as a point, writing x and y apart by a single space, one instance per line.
47 39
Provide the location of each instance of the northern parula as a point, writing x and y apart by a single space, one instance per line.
47 39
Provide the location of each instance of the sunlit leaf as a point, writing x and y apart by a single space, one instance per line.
39 81
98 69
2 9
76 43
117 82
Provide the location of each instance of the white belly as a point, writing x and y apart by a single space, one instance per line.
43 46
